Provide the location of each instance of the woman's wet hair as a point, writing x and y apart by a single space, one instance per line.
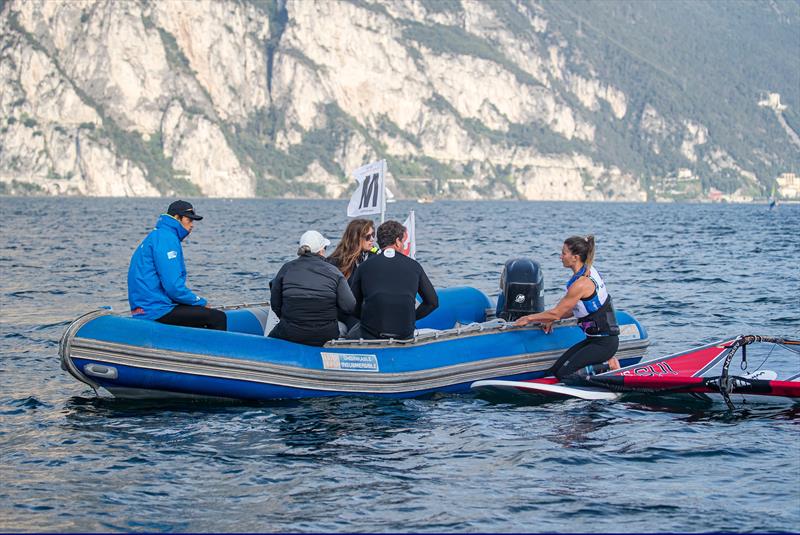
583 246
304 249
349 250
389 232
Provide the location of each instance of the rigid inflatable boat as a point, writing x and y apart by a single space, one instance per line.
458 344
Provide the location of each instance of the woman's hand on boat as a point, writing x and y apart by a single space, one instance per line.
522 322
531 318
547 326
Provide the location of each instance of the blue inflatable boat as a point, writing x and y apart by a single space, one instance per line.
456 345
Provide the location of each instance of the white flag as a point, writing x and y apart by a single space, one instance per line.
369 195
410 245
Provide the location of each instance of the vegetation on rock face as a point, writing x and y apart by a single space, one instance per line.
16 187
443 39
710 62
127 144
150 155
700 63
706 62
175 56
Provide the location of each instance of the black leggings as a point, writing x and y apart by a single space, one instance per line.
593 350
195 316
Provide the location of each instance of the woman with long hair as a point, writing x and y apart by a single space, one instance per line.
357 244
588 300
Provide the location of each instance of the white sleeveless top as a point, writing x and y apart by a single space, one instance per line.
598 298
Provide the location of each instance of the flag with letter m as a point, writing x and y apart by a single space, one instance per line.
369 195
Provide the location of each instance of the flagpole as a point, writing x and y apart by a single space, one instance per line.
383 193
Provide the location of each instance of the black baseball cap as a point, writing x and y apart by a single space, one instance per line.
184 209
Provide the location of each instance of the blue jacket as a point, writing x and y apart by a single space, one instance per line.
157 274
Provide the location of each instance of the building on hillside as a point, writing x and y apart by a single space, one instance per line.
788 185
772 100
680 185
739 196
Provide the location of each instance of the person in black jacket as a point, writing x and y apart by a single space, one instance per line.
385 289
308 293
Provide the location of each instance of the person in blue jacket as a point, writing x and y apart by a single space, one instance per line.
157 275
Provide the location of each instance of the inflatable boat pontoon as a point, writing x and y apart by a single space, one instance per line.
456 345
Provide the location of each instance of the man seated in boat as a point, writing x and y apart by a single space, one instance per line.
385 288
157 275
308 294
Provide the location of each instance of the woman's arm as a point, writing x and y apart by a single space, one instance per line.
581 288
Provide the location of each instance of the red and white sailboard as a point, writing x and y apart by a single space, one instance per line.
684 372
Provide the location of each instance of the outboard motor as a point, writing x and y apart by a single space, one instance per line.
521 289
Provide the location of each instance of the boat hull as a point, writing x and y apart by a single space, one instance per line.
134 358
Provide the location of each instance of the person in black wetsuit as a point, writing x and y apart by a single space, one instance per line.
587 299
386 286
308 293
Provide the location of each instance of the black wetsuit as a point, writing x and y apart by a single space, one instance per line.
385 288
592 350
598 320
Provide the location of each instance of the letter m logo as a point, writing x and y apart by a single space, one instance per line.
369 192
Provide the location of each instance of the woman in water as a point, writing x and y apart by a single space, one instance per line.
356 246
587 300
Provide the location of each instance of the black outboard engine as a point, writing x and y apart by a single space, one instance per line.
521 289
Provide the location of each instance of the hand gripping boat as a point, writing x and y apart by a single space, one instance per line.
455 346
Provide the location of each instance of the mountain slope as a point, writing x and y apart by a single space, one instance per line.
465 99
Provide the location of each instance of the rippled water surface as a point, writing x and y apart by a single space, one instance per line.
689 273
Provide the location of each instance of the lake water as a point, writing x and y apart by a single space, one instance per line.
690 273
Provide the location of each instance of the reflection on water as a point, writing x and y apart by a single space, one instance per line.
580 431
690 273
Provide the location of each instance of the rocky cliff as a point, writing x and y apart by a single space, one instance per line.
464 98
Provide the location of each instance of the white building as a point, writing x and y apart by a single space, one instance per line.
772 100
788 185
